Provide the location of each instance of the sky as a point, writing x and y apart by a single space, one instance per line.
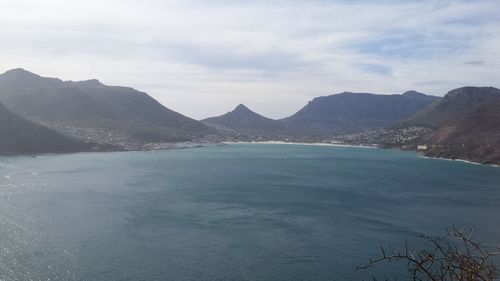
204 57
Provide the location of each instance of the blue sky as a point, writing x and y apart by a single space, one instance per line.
202 58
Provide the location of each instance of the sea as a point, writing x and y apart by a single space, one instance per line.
233 212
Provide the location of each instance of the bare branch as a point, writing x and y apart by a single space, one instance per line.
453 256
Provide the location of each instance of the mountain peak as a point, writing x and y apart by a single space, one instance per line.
413 93
470 90
241 108
94 82
418 96
86 83
19 72
246 120
21 78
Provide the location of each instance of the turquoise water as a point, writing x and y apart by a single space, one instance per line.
237 212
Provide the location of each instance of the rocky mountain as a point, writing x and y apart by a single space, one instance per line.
465 125
244 120
453 106
90 109
350 112
20 136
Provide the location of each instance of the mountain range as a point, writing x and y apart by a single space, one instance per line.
92 111
464 124
350 112
40 114
329 115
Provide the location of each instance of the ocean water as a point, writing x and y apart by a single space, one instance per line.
236 212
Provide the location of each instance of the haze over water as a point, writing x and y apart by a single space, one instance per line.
236 212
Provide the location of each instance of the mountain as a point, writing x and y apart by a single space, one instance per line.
349 112
465 125
452 106
20 78
20 136
112 112
244 120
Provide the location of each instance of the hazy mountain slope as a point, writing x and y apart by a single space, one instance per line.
354 111
90 104
135 105
242 119
59 104
20 136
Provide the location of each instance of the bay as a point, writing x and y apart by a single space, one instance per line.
235 212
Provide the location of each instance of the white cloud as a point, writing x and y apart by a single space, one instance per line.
202 58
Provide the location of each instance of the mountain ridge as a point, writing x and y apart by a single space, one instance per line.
452 106
347 111
90 104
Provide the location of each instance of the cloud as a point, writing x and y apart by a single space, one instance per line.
376 69
221 58
203 57
474 63
409 44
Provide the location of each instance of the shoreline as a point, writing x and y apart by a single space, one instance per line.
300 143
186 145
361 146
460 160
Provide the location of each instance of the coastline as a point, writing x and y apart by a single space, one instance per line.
358 146
185 145
460 160
300 143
